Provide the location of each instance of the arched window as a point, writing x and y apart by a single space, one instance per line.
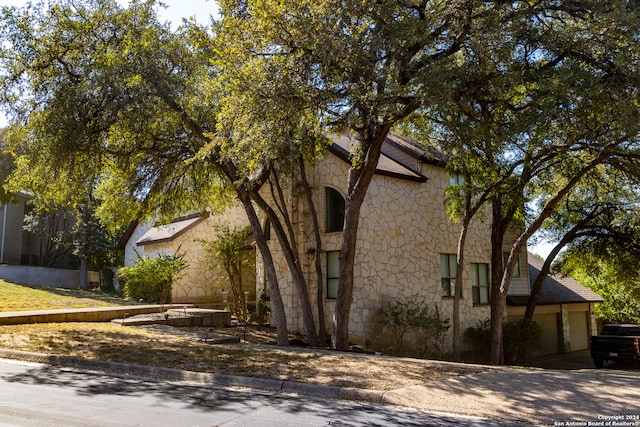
334 211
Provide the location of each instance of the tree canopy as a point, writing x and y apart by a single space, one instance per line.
528 99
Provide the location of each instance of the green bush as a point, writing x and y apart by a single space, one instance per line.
414 316
520 338
151 279
478 337
263 308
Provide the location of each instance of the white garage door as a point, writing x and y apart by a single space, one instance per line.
579 330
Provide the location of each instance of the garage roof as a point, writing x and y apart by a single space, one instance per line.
556 289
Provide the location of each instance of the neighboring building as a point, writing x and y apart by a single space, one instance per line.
12 236
203 282
31 259
21 247
406 243
565 310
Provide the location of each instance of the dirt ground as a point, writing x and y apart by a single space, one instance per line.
319 365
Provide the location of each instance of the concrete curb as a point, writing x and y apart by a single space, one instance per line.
100 314
168 374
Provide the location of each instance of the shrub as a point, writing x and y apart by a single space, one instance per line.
230 251
414 316
478 337
151 279
263 308
520 339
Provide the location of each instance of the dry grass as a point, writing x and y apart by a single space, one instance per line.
106 341
17 297
183 348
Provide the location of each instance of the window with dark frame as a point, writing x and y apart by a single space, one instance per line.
456 179
480 283
448 274
516 270
267 230
334 211
333 270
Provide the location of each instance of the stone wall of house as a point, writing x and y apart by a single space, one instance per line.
203 281
403 230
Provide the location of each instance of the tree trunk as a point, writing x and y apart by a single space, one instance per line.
340 337
83 243
322 328
359 180
277 305
546 267
545 213
293 262
83 272
537 285
292 256
458 290
498 227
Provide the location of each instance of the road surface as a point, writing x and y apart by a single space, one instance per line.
37 395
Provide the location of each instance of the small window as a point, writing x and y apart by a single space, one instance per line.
448 274
333 271
267 230
456 179
516 270
334 211
480 283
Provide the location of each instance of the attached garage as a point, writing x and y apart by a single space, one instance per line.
564 310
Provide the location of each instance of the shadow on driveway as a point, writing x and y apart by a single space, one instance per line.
579 360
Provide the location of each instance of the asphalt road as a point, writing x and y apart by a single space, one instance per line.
36 395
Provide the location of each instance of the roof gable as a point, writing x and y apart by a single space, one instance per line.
168 232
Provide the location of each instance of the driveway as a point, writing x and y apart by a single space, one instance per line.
532 395
579 360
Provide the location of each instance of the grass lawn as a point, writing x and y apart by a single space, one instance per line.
17 297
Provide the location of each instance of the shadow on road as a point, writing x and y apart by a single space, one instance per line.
209 399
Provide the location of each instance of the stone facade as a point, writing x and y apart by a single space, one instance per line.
403 230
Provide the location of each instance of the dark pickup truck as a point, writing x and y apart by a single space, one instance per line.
616 342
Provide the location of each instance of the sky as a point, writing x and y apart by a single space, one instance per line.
175 11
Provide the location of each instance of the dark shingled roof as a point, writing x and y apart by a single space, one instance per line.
429 154
556 289
342 146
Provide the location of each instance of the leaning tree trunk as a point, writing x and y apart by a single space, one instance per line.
572 234
277 305
293 262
